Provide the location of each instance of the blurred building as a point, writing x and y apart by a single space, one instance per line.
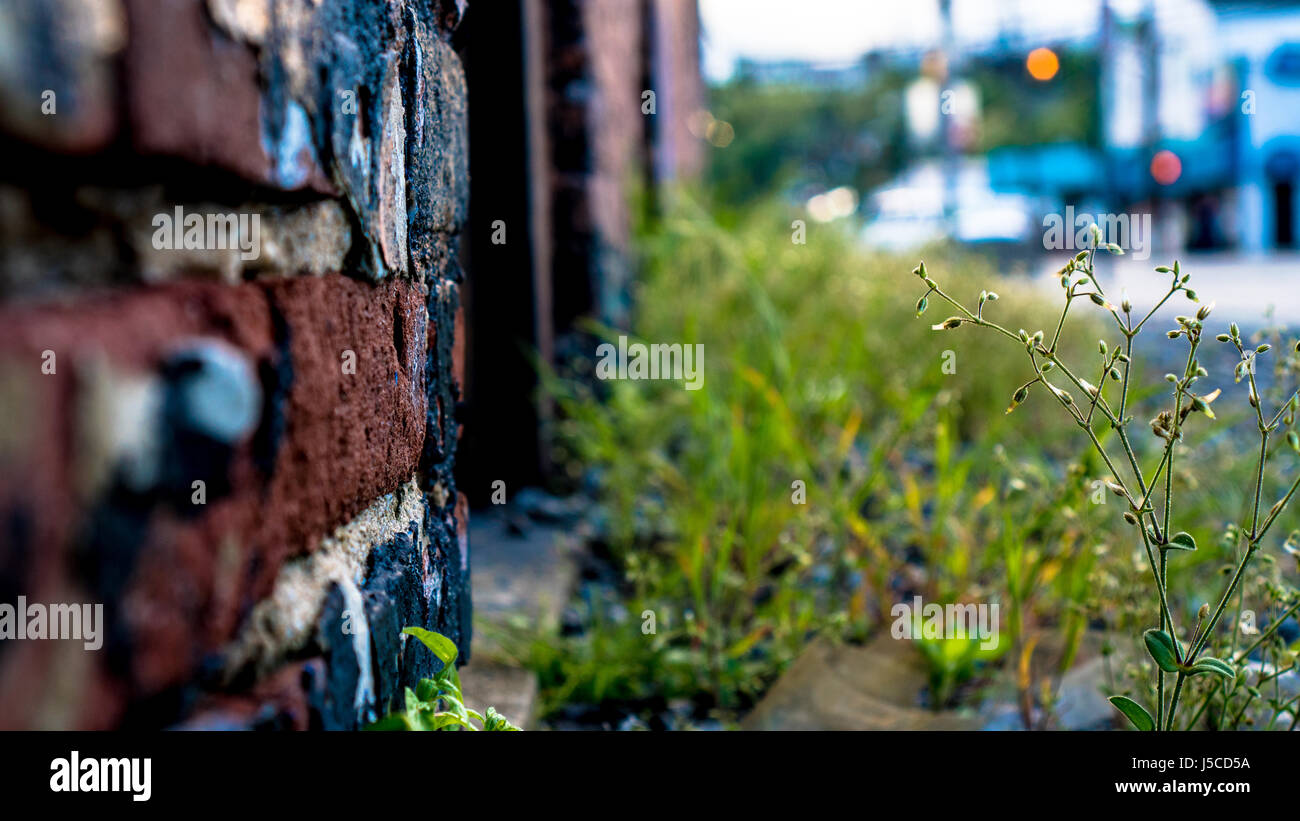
1200 125
1261 43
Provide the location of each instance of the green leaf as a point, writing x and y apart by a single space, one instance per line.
426 721
1213 665
426 689
395 721
442 647
1134 712
413 704
1161 648
440 721
1182 541
497 722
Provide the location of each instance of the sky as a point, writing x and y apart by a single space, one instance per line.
840 31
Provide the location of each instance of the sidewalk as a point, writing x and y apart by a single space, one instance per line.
1242 287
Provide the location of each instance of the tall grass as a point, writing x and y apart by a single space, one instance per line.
814 373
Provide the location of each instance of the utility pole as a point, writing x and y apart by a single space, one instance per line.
947 52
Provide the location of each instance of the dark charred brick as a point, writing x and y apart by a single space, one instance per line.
342 668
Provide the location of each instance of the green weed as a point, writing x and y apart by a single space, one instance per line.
437 703
1148 493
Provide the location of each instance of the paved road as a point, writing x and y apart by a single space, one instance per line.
1241 287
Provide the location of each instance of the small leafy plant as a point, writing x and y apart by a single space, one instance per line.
1148 494
437 703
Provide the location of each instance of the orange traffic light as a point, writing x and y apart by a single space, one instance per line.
1042 64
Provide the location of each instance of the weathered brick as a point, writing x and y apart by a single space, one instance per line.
179 578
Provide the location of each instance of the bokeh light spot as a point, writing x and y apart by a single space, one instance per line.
1042 64
1166 168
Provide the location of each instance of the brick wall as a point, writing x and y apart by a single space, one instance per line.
577 138
246 458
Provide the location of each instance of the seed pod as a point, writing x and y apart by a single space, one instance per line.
1201 405
1047 366
1096 299
1063 395
1190 294
1114 374
947 325
920 270
1293 440
1223 338
993 297
1101 346
1265 348
1019 396
1163 269
1173 334
1234 330
1130 518
921 305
